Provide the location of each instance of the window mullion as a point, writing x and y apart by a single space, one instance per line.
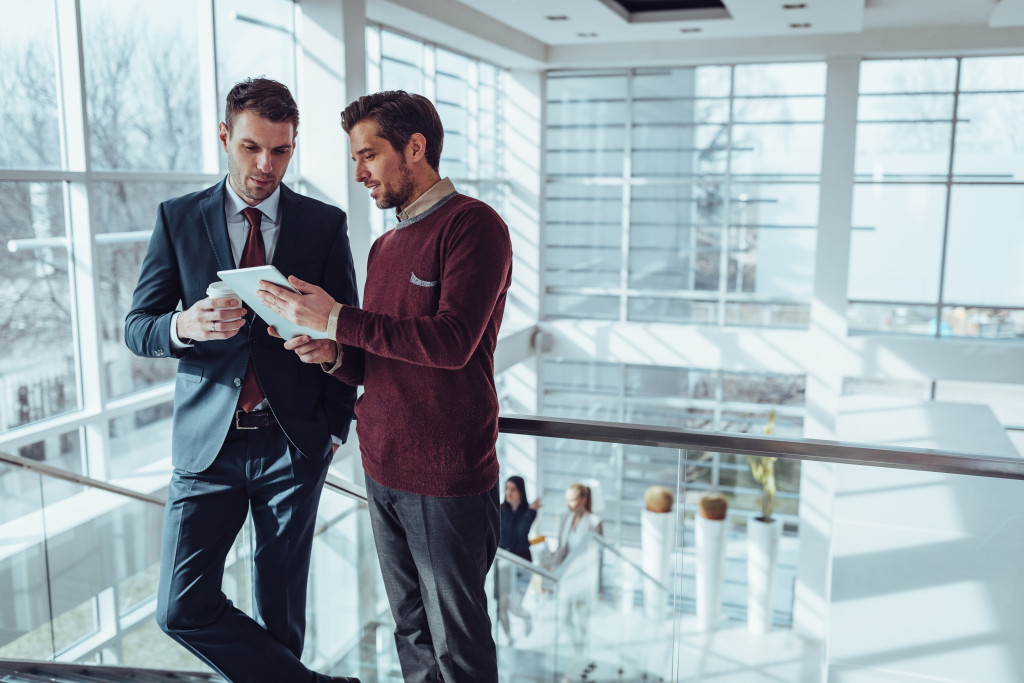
71 88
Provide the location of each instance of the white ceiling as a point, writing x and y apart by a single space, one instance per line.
516 33
750 18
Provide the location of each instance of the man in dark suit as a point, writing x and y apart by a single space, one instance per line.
254 426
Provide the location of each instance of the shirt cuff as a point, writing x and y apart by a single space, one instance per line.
331 369
332 323
176 342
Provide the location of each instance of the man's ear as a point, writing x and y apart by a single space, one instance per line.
224 135
416 148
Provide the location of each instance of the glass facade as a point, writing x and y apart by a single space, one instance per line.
938 196
469 96
685 195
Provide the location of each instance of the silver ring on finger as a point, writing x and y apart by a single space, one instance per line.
213 327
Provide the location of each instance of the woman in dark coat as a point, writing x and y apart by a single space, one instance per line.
517 515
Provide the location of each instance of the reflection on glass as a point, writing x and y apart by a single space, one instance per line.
140 444
984 323
123 214
780 79
985 250
894 150
988 141
37 367
28 81
896 244
777 149
991 73
26 632
895 318
582 306
142 85
908 75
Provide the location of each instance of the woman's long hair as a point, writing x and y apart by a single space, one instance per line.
520 485
583 492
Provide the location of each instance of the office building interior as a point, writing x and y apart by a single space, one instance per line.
747 234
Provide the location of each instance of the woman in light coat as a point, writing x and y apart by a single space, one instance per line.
577 522
581 579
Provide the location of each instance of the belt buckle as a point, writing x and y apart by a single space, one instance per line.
238 420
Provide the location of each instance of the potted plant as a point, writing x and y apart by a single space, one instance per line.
710 532
764 533
657 527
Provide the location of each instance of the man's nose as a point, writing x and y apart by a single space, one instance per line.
264 164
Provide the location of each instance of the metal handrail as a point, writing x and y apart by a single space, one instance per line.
818 450
58 473
333 482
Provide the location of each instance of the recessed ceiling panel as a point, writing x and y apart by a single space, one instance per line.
668 10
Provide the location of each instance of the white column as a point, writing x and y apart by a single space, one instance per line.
521 113
827 341
359 220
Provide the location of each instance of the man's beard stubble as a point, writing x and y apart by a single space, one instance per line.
402 194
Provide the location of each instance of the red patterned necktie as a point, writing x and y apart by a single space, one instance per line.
253 254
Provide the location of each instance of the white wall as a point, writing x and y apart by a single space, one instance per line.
926 566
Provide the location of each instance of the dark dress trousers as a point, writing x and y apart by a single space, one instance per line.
221 472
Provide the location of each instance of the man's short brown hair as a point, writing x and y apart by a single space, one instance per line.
398 115
264 97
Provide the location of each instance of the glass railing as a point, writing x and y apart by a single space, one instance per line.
893 563
900 538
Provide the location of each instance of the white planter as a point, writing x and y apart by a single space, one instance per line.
656 536
710 565
762 558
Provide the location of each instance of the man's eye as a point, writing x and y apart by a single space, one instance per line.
250 148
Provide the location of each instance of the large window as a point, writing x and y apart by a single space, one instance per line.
683 195
88 152
936 246
468 95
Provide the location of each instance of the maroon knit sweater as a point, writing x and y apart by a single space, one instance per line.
434 297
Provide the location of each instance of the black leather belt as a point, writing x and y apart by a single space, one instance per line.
254 420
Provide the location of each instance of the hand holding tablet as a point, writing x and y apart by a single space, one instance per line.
245 283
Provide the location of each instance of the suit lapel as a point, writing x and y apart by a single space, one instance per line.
212 209
288 234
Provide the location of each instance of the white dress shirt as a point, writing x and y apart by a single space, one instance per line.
238 231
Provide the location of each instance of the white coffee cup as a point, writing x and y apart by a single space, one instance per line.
220 290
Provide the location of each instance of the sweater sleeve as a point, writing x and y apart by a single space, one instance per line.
476 272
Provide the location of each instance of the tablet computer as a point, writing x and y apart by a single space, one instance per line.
244 281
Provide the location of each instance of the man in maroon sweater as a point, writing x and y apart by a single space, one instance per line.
423 348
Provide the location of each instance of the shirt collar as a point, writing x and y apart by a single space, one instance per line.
235 204
441 189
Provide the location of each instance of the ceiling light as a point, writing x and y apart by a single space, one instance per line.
690 29
795 5
556 17
803 25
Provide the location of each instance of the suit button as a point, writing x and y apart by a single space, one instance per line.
238 382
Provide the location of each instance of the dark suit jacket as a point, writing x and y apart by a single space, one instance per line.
189 245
